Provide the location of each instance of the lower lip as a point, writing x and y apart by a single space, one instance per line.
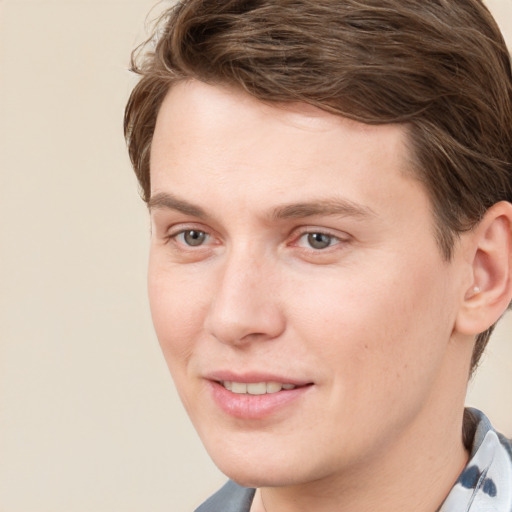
254 407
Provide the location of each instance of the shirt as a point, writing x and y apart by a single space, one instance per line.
485 484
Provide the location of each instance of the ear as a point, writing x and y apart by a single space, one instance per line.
490 292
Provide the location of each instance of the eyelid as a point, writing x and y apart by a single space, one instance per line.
180 227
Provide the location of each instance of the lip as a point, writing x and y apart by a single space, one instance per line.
252 377
254 407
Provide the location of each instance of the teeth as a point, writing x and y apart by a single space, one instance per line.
256 388
274 387
239 387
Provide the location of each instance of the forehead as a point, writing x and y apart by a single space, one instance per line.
207 126
198 103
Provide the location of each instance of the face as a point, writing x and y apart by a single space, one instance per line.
297 291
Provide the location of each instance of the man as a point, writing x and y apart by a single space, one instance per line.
329 184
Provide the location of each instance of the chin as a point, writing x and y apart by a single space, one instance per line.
258 477
244 469
261 468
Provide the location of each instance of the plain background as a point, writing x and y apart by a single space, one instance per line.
89 419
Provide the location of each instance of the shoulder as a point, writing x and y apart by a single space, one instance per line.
230 498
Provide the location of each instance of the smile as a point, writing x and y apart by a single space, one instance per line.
255 388
257 399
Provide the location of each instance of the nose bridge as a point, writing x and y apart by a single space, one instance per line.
245 303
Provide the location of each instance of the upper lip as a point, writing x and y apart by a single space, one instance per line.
253 377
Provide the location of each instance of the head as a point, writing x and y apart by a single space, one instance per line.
439 69
328 181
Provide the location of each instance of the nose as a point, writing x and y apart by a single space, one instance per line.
245 306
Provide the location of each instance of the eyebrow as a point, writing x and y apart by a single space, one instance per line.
164 200
331 206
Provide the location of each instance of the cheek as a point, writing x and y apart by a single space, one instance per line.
177 310
373 321
379 340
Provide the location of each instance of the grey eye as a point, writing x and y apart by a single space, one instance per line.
193 237
319 240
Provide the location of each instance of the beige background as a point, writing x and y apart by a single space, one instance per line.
89 420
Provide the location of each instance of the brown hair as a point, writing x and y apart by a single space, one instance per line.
441 66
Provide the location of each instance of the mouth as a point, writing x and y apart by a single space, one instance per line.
257 395
253 397
256 388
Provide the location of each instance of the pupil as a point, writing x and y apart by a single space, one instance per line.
319 240
194 237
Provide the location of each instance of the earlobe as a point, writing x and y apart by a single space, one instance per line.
490 292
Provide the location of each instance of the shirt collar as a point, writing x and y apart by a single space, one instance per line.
485 484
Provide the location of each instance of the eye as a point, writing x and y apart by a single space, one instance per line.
317 240
192 237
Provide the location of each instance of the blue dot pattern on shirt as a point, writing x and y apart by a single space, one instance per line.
472 478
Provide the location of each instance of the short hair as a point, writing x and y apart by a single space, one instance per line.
440 67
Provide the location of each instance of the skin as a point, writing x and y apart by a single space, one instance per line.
371 321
